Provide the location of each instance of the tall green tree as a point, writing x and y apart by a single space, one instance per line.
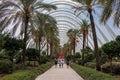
72 34
51 33
111 49
21 13
87 5
84 31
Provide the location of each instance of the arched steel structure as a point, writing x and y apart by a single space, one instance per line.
66 19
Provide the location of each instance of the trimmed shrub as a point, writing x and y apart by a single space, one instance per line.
115 68
27 74
90 74
5 66
90 65
43 59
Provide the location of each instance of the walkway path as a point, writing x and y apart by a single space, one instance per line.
59 74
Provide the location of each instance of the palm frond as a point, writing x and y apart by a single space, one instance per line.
9 4
39 5
18 15
107 11
6 22
117 15
84 2
15 27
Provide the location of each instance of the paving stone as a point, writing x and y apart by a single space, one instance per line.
59 74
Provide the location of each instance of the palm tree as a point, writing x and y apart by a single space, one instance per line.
84 30
111 7
66 48
21 13
51 33
72 34
87 6
39 32
56 46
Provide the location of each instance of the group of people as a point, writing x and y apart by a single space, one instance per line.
61 62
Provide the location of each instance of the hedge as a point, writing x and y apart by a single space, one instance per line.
5 66
27 74
115 68
90 74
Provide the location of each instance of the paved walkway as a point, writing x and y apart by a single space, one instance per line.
59 74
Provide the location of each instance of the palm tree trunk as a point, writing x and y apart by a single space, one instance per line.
51 49
84 38
95 41
47 48
74 47
110 60
25 37
39 48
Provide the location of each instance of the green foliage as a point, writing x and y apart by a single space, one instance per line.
69 56
103 56
77 55
79 61
89 57
90 74
111 48
43 59
5 66
90 65
118 38
43 53
27 74
12 46
32 54
13 43
88 54
115 68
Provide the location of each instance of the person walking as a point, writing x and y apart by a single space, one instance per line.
59 62
55 61
62 62
68 63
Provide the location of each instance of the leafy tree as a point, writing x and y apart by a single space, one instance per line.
88 54
77 55
103 56
12 45
32 54
111 49
118 38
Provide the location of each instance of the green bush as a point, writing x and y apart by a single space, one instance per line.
43 59
80 61
5 66
90 65
115 68
90 74
27 74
